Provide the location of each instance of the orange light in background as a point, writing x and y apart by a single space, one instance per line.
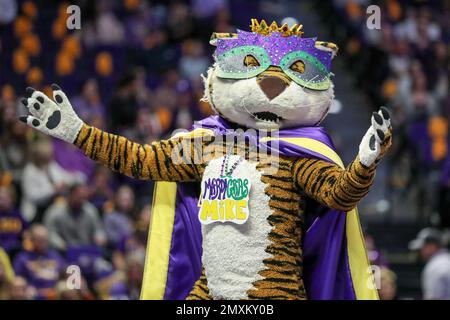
62 10
8 92
165 117
438 130
353 46
35 77
64 64
354 10
30 9
394 10
21 62
59 28
104 64
31 44
22 26
389 88
131 4
72 47
6 179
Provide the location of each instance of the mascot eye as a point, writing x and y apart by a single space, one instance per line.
242 62
298 66
306 70
250 61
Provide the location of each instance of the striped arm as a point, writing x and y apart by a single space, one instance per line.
148 162
332 186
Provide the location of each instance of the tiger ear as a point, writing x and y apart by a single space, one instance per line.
327 46
216 35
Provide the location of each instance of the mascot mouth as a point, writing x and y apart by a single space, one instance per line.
267 116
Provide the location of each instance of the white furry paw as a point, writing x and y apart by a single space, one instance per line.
375 138
55 118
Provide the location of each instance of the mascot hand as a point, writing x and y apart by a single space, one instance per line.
377 139
55 118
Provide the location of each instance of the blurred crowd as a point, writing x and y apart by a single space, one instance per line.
404 64
133 69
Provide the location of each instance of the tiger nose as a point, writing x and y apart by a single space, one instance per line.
272 86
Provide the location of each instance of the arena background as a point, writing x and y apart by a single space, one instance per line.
134 68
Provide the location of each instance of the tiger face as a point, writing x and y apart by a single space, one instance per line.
269 101
270 81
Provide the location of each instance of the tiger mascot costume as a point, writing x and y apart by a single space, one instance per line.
227 222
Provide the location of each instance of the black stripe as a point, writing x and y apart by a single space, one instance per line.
321 177
280 199
93 146
277 218
319 183
251 296
289 212
274 250
86 138
279 263
155 153
283 179
341 202
278 280
356 187
108 149
197 296
311 162
118 155
168 161
125 154
284 189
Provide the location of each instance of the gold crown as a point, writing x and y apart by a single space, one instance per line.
264 29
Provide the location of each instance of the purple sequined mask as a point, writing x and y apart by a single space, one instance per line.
274 50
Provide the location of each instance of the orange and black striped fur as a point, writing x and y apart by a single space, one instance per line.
296 181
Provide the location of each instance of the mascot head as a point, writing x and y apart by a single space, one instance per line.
270 78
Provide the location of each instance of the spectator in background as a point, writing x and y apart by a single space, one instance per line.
6 275
106 29
193 62
376 257
12 223
124 104
40 266
88 104
118 222
180 22
158 55
388 285
75 222
64 293
42 180
20 290
130 289
138 24
135 270
101 188
142 224
13 141
436 274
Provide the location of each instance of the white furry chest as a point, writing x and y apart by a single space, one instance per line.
233 254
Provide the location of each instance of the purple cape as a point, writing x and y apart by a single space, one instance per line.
326 272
